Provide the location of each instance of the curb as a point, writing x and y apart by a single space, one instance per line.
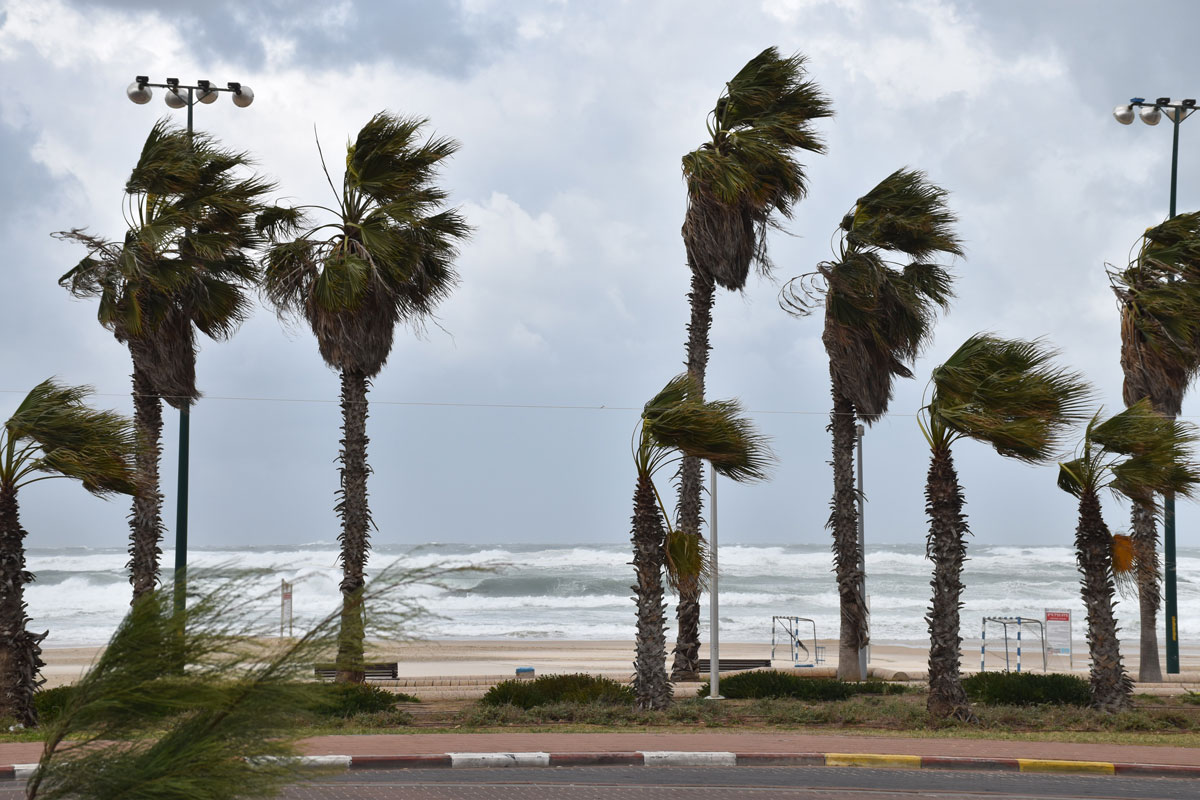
672 758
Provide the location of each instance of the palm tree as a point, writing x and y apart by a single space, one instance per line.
740 183
1158 293
1005 393
675 424
52 434
878 318
182 265
1135 454
386 256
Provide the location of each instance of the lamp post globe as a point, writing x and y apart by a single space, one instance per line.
139 93
174 99
1150 114
243 97
206 96
1123 115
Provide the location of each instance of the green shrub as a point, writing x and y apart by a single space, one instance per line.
346 700
49 703
1027 689
770 683
550 689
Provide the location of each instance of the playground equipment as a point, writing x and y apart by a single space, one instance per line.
801 656
1018 622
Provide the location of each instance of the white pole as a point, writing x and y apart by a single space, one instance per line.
863 652
714 639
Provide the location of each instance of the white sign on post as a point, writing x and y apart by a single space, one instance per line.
1058 632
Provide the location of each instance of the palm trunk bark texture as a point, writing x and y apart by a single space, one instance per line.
145 521
20 651
1145 551
691 480
1111 688
355 514
650 683
946 547
843 521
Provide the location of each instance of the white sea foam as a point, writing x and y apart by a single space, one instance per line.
583 592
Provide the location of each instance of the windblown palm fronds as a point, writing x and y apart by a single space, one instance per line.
677 423
385 256
1133 454
740 182
52 434
1007 393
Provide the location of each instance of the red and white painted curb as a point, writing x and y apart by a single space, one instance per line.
672 758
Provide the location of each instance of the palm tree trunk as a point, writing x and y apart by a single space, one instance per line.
20 651
1111 687
145 521
1145 553
843 521
650 682
691 480
946 546
356 519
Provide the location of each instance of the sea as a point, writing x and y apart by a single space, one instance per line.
576 591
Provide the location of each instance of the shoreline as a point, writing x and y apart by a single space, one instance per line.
449 658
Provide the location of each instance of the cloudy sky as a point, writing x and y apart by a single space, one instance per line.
510 420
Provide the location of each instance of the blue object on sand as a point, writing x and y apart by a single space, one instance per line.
524 672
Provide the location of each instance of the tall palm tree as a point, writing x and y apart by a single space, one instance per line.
1135 454
52 434
1006 393
740 183
1158 293
677 423
385 256
181 266
880 294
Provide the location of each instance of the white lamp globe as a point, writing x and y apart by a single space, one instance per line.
1123 114
206 96
174 99
1150 114
138 93
243 97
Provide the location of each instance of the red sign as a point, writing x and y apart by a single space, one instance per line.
1057 616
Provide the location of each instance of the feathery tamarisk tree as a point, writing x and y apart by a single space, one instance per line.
1006 393
1134 454
385 256
677 423
1158 293
740 183
880 293
183 265
52 434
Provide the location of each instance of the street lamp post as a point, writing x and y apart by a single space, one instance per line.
202 92
1151 112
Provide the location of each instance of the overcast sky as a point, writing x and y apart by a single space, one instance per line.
573 118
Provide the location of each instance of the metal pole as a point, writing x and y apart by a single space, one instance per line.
181 498
863 652
1169 580
714 638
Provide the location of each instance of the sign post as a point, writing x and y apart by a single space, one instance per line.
285 608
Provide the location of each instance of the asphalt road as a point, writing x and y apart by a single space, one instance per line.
719 783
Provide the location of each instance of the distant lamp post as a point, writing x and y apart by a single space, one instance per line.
1151 113
178 95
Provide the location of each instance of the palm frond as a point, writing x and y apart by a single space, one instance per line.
1009 394
905 213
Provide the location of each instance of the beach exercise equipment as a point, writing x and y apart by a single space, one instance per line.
1018 623
801 656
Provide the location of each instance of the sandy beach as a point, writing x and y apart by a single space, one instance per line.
497 658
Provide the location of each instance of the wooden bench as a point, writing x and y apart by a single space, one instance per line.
379 672
734 664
